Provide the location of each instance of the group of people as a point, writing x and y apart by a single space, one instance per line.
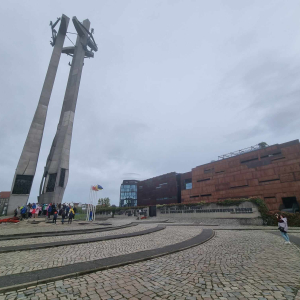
63 210
34 210
28 211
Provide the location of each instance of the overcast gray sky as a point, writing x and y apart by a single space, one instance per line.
173 85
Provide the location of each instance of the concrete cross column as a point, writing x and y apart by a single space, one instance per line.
26 167
57 167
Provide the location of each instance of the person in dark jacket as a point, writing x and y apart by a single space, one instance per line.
16 211
49 210
71 216
55 216
63 216
67 210
53 209
29 214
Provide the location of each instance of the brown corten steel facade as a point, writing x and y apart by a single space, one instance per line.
272 173
162 189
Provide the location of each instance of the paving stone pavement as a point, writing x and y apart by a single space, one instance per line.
26 261
235 265
137 228
297 234
27 227
24 227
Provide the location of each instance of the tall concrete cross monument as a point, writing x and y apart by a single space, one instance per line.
27 164
56 171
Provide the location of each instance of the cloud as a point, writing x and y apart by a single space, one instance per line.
273 89
173 85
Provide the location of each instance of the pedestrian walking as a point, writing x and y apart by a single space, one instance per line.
67 210
91 215
283 227
71 215
17 210
49 210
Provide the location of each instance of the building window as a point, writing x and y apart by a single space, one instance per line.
188 184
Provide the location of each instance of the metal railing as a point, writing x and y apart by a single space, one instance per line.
242 151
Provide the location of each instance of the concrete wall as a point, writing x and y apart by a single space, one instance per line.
244 214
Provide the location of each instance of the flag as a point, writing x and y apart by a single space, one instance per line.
99 187
94 188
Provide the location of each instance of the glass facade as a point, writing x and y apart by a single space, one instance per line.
128 193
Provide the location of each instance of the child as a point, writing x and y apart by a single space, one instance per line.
55 217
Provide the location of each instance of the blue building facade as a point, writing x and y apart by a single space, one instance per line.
128 193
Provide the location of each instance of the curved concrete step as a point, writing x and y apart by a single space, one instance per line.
60 233
80 241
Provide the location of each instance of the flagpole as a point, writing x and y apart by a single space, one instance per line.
94 209
95 199
88 208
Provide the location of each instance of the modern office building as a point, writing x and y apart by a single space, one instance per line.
128 193
269 172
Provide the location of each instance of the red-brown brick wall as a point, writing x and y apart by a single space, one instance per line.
270 173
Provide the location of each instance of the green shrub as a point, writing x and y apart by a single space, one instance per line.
100 208
292 218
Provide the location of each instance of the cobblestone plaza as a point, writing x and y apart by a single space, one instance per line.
235 262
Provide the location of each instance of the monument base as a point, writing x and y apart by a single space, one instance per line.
15 201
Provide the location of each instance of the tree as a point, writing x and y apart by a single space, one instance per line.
262 145
104 202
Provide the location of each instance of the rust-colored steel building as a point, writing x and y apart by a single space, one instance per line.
162 189
272 173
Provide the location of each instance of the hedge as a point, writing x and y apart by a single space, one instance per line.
100 209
